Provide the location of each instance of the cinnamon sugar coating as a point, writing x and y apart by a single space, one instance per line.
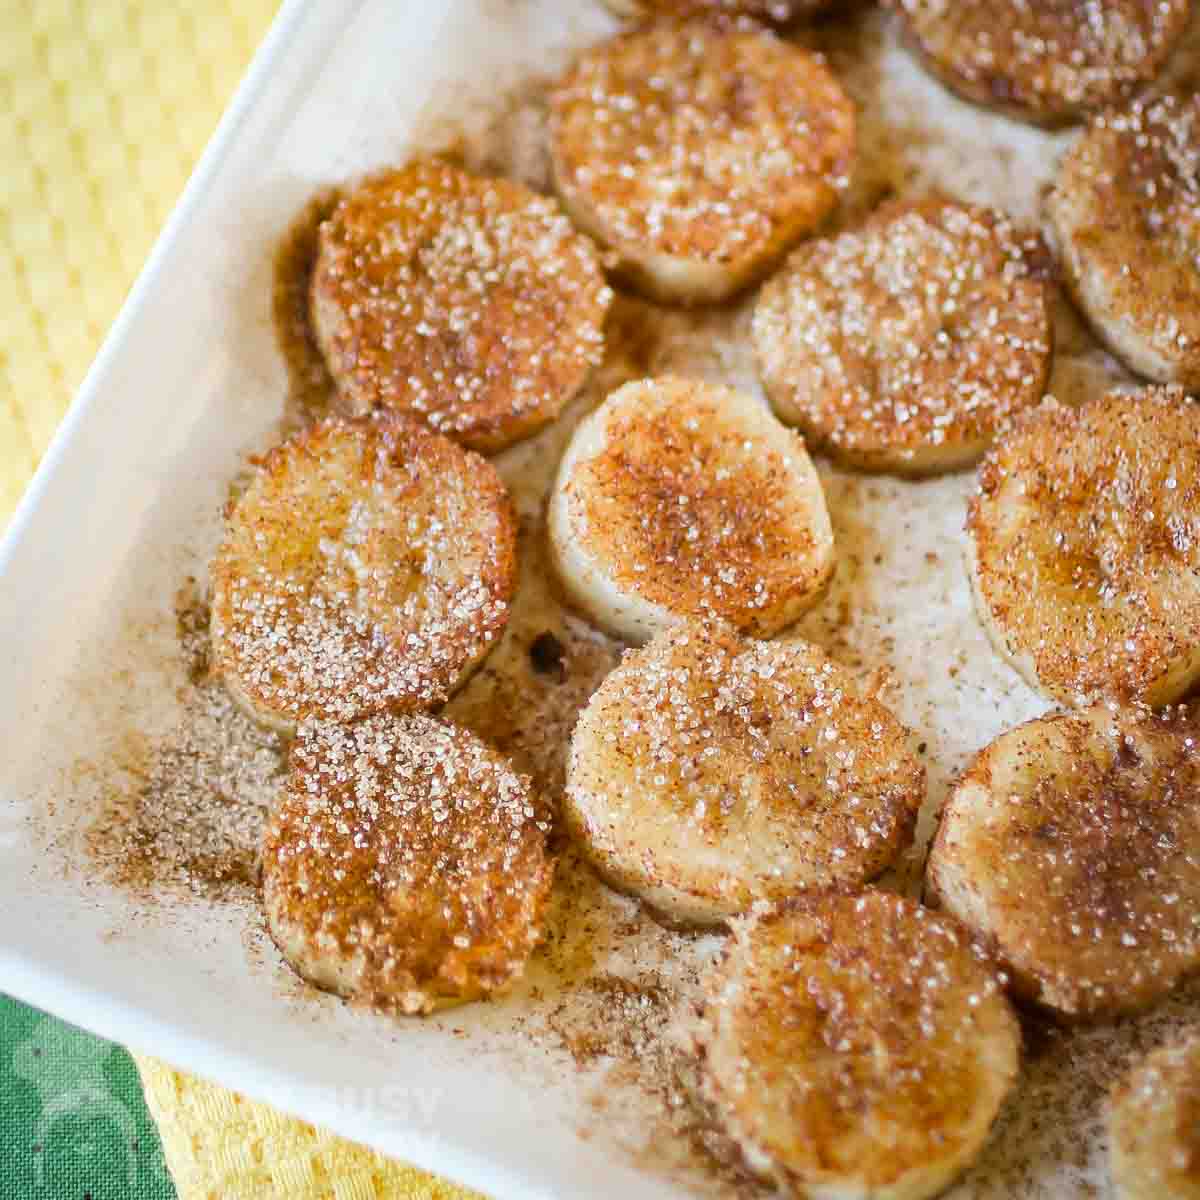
1072 845
1044 60
468 302
406 864
368 567
906 344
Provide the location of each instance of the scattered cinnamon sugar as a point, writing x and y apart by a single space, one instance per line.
635 1032
525 698
201 794
528 713
633 1015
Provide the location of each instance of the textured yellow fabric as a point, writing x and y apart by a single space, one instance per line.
104 107
219 1145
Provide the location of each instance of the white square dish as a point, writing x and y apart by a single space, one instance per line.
127 505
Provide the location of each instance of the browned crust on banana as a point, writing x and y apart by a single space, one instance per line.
872 1011
906 344
367 567
690 145
763 754
468 302
1048 61
406 864
1084 877
1126 213
718 532
1154 1124
1085 546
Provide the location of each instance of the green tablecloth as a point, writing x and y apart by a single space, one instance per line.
73 1125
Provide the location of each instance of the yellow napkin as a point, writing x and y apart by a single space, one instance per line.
220 1146
106 104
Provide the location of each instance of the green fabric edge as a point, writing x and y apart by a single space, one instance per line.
73 1120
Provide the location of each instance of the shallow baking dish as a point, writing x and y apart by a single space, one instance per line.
127 504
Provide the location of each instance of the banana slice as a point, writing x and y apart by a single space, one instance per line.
677 498
1072 844
905 345
1154 1125
468 302
699 154
779 11
1084 547
857 1046
708 772
1048 61
1126 216
368 567
406 864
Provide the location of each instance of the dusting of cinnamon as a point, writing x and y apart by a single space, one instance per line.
708 772
197 797
1072 845
840 1014
1126 209
699 503
1086 541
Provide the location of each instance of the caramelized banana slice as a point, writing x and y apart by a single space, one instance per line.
1072 844
406 863
677 498
698 154
368 567
905 345
1046 61
1085 547
468 302
858 1046
1126 214
1154 1125
708 772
